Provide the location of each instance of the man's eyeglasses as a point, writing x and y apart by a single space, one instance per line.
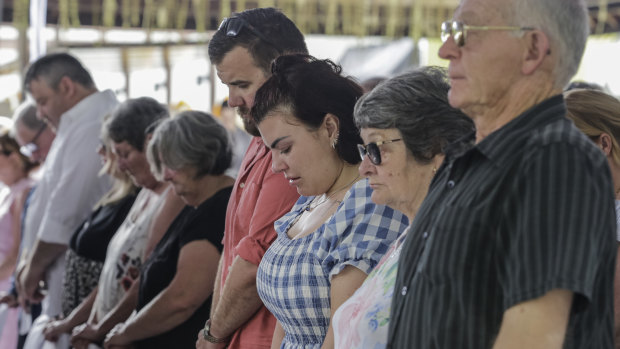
234 25
373 151
29 148
458 30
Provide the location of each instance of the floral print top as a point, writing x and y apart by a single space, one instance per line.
362 321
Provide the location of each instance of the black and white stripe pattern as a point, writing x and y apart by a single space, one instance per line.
527 210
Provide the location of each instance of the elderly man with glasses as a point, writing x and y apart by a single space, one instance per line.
242 50
514 246
34 135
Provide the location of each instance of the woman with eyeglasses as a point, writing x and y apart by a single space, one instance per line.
334 235
597 115
406 124
15 171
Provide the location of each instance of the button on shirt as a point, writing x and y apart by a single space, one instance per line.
530 209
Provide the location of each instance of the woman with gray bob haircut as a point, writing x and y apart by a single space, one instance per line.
190 151
406 123
192 139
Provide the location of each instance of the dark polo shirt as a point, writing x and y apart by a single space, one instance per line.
528 209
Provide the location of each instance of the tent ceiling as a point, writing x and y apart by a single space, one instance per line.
390 18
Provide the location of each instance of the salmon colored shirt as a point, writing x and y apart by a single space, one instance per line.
259 198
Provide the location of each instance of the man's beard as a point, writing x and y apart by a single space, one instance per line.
248 122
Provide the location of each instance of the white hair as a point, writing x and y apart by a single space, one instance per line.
566 24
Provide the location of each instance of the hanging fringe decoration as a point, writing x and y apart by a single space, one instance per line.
393 18
288 8
347 16
374 23
126 13
332 18
240 6
63 13
359 18
148 16
312 16
224 10
109 12
266 3
182 12
165 12
135 13
201 15
301 15
602 17
95 13
21 9
74 12
415 21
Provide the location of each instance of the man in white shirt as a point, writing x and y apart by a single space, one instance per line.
67 98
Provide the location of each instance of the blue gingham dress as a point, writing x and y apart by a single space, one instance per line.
293 278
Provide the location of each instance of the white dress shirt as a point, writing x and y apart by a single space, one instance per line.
70 184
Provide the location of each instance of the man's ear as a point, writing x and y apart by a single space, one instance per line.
66 86
537 47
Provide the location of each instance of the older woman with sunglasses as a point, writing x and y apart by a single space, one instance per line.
406 122
334 235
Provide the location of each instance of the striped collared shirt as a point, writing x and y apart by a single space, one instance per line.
528 209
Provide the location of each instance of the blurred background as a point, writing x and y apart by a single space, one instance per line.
158 48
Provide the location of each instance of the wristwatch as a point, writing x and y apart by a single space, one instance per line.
208 337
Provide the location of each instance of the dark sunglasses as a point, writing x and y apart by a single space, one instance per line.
372 150
234 25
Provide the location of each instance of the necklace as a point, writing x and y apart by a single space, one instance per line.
310 207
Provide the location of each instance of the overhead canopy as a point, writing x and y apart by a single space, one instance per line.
391 18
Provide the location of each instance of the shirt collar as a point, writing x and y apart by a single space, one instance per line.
506 140
84 107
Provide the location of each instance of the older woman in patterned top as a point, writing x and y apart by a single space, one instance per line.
334 235
405 122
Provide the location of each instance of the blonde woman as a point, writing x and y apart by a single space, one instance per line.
89 243
597 114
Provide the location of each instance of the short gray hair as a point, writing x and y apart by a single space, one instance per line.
191 139
416 104
26 114
53 67
565 22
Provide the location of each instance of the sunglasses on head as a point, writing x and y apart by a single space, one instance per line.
372 150
234 25
458 30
